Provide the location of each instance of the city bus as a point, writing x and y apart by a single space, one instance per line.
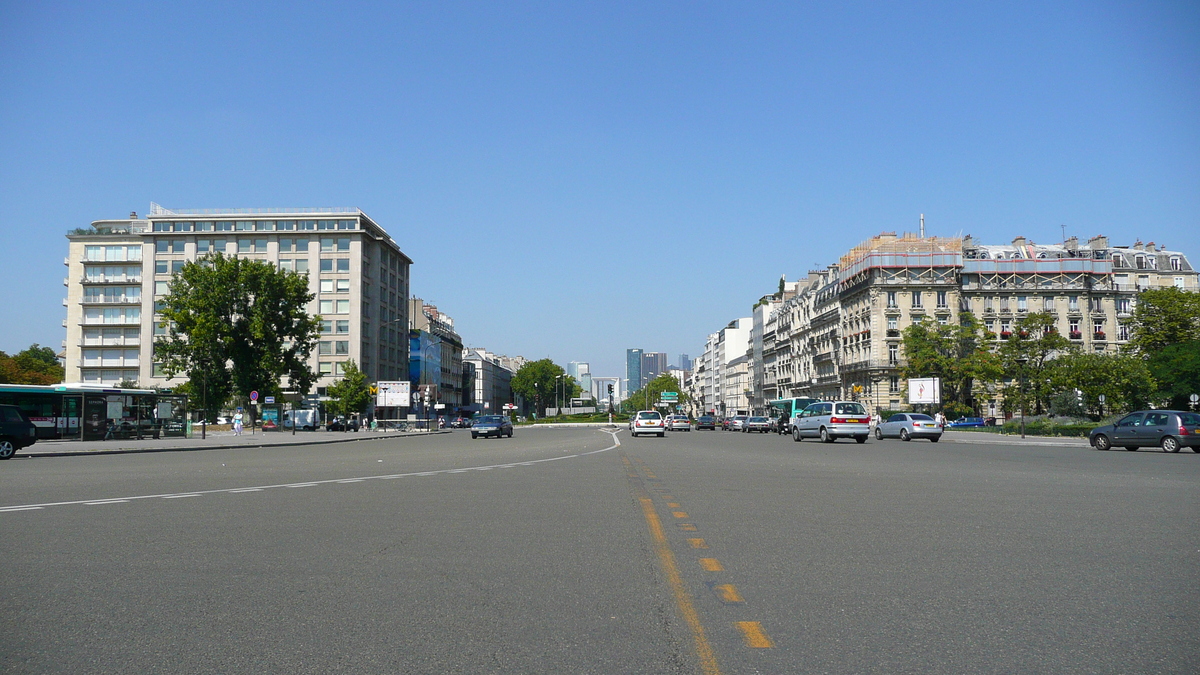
789 407
82 412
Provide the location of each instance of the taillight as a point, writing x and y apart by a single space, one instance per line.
838 420
1183 431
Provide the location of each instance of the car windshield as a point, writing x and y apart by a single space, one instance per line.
851 409
649 416
922 418
489 419
758 419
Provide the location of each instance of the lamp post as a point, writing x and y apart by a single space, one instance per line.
557 396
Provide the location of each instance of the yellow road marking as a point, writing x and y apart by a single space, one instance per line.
754 635
686 527
679 514
728 593
673 505
697 543
704 651
711 565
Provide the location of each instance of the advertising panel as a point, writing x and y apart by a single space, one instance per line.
393 394
924 390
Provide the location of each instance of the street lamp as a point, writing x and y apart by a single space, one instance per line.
557 396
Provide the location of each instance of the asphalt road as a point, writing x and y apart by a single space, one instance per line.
566 551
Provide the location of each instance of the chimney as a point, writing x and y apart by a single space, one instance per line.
133 215
1097 242
1019 241
1150 247
1137 245
1072 243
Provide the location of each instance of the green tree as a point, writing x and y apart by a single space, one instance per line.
34 365
1123 379
646 397
1164 317
236 325
352 393
542 382
1177 369
1026 358
958 354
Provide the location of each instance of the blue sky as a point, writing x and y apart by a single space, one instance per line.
574 179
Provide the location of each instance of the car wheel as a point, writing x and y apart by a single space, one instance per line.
7 448
796 434
1101 442
1131 448
934 439
474 435
1170 444
860 439
878 434
904 435
662 434
825 437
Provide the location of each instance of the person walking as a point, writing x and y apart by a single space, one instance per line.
875 421
237 423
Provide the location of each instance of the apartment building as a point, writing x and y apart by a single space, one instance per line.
489 381
435 355
117 270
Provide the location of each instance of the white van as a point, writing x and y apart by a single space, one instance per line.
306 420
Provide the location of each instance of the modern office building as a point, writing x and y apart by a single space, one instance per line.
685 362
633 370
117 269
653 365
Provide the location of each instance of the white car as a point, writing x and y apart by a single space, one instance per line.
831 420
648 422
679 423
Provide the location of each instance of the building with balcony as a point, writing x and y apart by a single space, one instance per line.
117 270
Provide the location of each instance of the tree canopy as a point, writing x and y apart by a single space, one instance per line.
958 354
1165 317
1026 358
646 397
35 365
542 382
352 393
237 325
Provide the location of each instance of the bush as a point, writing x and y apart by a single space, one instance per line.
1041 426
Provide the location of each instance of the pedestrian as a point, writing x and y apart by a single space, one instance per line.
875 421
237 423
940 419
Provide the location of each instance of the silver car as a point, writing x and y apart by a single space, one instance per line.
907 426
831 420
679 423
738 422
760 424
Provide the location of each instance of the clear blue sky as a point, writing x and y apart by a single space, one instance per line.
573 179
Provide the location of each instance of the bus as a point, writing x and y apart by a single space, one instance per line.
82 412
789 407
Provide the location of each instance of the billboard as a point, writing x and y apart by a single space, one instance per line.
393 394
924 390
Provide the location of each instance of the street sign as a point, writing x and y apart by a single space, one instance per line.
254 396
1194 398
671 396
270 399
1102 398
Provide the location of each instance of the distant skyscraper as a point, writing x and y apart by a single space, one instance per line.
633 369
685 362
653 365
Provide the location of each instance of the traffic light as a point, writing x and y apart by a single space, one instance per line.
610 390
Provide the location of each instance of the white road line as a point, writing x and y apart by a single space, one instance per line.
260 488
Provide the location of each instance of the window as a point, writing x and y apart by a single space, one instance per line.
285 225
1073 327
161 267
1097 327
301 243
988 304
203 246
1004 303
168 246
245 245
204 227
343 285
1048 304
324 347
893 354
161 287
306 224
341 347
286 265
326 327
343 306
260 245
244 226
1140 262
224 226
1176 263
891 299
941 298
1073 303
343 243
301 265
343 326
343 264
285 244
893 323
326 264
990 325
894 384
1022 305
177 266
326 307
943 319
916 299
327 244
1122 305
1179 282
325 368
266 226
1122 331
326 285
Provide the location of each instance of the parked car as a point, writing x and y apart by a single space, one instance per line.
965 422
648 422
341 424
760 425
491 425
706 422
679 423
831 420
460 423
738 422
305 420
16 431
1167 429
907 426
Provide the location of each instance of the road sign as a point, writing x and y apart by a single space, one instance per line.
1194 398
270 399
1102 398
254 396
670 396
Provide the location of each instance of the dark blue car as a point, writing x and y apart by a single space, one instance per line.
964 422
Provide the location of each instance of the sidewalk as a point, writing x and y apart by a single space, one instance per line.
214 441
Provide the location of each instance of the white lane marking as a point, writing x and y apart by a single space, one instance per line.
260 488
